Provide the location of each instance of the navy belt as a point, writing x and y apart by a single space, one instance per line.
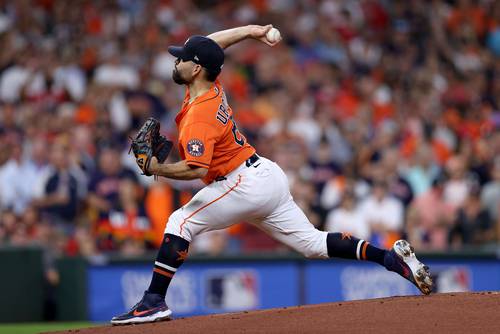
253 159
249 162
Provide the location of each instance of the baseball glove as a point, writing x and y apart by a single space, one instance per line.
149 143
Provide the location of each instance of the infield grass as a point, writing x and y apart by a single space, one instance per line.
37 327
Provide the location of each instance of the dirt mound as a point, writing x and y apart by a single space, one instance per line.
440 313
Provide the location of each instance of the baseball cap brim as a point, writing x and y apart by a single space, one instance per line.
178 52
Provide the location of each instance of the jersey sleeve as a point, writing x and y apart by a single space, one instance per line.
198 140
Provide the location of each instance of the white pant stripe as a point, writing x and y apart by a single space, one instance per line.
358 248
159 264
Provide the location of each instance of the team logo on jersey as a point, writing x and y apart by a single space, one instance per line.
195 147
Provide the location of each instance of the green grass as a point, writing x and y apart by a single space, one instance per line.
37 327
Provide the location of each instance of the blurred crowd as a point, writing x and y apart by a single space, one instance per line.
384 115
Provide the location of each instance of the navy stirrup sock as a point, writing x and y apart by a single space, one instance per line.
171 255
345 246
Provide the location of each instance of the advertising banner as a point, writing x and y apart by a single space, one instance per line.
220 287
196 288
330 281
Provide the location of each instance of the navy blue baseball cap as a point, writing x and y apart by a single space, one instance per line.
200 50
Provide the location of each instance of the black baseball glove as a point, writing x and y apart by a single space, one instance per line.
149 143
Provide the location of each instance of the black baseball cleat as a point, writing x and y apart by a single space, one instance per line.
151 308
402 260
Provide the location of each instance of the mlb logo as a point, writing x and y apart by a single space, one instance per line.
452 279
235 290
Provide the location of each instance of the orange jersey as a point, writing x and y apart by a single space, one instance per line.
208 135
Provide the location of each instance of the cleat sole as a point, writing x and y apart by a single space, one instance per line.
420 272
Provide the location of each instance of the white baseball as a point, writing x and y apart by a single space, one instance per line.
273 35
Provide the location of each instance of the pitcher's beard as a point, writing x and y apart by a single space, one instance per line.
178 79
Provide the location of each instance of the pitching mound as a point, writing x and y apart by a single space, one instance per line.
440 313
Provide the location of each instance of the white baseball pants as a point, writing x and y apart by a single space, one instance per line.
259 195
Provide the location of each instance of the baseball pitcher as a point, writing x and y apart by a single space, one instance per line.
240 184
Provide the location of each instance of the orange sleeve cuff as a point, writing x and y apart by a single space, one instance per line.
197 164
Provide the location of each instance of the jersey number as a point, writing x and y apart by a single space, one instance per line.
238 137
223 116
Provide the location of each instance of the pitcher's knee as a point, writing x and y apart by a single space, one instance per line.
177 225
